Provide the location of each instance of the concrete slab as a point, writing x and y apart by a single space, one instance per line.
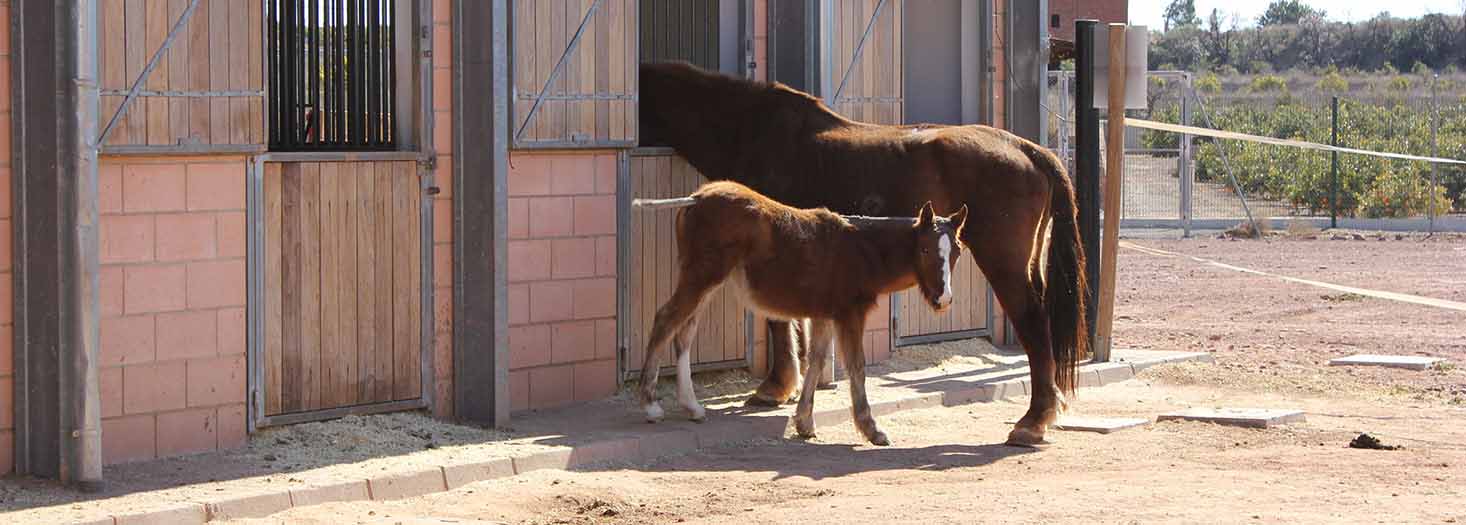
1409 362
1242 417
1102 425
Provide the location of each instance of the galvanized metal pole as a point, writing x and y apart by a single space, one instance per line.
1334 168
1435 124
81 395
1187 174
1087 158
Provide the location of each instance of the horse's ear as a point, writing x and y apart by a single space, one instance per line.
959 219
925 216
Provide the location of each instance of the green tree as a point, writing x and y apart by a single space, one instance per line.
1286 12
1181 13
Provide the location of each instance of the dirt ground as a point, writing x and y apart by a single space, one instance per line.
1267 331
1271 338
947 466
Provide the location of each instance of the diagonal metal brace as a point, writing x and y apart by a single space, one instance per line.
147 71
559 67
859 48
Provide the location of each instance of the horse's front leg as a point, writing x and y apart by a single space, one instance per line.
818 358
850 330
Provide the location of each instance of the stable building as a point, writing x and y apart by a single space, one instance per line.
225 215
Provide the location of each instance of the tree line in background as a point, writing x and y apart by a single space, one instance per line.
1292 35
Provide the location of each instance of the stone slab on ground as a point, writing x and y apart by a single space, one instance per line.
1410 362
1102 425
1242 417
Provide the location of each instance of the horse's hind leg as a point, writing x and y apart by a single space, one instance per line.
682 343
817 357
1031 322
671 319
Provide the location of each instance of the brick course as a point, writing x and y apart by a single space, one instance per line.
172 302
562 273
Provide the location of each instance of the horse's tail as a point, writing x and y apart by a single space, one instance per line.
658 204
1066 287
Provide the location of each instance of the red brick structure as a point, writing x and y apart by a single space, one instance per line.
183 277
1063 13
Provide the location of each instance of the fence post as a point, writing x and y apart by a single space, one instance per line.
1435 123
1186 173
1087 159
1334 170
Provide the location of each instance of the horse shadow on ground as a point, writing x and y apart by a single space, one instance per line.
796 458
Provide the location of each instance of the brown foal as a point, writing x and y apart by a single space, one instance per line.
795 263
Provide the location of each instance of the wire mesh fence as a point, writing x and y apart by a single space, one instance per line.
1171 176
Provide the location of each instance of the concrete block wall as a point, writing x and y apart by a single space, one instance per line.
562 277
7 373
442 143
172 235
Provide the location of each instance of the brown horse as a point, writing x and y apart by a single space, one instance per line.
787 145
795 264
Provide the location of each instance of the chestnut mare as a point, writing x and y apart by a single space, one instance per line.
789 146
795 264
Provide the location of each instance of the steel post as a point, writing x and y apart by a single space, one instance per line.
1087 158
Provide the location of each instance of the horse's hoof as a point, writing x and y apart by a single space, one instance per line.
880 439
758 400
1024 437
654 413
698 418
804 429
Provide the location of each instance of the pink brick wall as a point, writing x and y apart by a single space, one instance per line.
443 210
562 277
173 297
7 424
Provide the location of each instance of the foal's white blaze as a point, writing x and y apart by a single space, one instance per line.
685 396
944 248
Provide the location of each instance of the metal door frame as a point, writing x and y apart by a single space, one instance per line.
623 282
425 156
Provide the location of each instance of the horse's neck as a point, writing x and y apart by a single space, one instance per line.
753 127
886 241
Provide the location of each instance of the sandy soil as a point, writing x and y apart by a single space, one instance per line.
947 466
1272 340
1281 334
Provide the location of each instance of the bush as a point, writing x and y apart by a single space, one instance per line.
1400 84
1420 69
1368 186
1401 194
1209 83
1258 67
1450 69
1228 71
1268 83
1333 82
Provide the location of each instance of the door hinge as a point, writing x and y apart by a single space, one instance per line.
429 163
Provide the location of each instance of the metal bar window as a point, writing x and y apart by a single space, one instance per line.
331 75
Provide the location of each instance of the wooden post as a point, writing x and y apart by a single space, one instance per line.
1114 172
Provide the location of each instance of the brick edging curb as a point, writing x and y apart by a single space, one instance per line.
647 446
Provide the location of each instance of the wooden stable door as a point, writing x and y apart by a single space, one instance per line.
723 328
343 276
967 317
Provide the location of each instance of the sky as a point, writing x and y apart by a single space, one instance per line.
1149 12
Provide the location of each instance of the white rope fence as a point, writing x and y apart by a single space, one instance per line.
1232 135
